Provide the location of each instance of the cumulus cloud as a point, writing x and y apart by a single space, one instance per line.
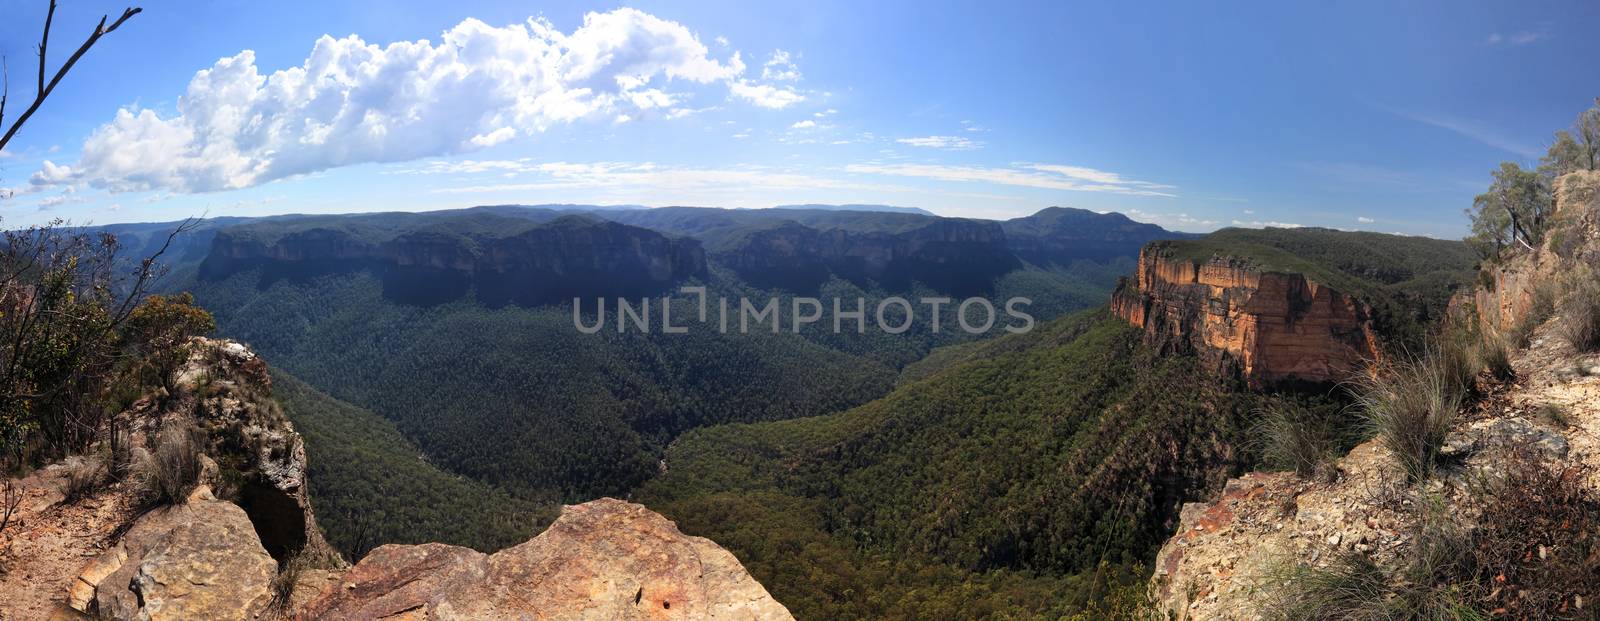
1042 176
354 102
780 68
807 124
956 143
1364 220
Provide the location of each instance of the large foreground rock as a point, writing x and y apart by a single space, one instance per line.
601 560
197 560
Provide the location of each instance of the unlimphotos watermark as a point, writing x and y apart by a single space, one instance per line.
893 315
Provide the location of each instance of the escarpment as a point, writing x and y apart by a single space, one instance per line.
1272 326
958 256
510 261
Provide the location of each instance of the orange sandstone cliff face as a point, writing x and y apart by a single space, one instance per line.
1271 326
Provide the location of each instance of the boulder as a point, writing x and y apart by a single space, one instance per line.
197 560
605 559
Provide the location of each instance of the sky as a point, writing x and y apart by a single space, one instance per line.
1383 116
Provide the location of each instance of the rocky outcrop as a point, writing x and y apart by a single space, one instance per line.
601 560
210 558
197 560
1271 326
959 256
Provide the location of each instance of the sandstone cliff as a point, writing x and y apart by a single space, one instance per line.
245 545
1271 326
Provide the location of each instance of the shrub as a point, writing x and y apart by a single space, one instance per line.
1536 545
1290 438
172 470
1435 581
83 476
1494 355
1540 307
284 583
1580 316
1410 404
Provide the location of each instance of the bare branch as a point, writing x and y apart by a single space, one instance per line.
44 42
45 88
5 90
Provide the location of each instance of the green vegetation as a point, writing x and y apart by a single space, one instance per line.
1293 437
370 485
1024 476
80 339
516 397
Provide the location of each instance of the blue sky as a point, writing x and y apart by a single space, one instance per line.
1377 116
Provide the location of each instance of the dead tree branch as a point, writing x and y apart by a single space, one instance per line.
45 88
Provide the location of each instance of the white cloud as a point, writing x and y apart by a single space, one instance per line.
766 95
741 135
355 102
721 40
1365 220
1042 176
1249 212
825 113
1180 221
495 137
64 198
1473 130
614 175
1257 224
956 143
807 124
779 68
1520 37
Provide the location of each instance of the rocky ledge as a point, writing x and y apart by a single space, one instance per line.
605 559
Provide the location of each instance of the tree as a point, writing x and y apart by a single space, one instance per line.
62 298
1588 127
1514 211
1565 155
158 332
